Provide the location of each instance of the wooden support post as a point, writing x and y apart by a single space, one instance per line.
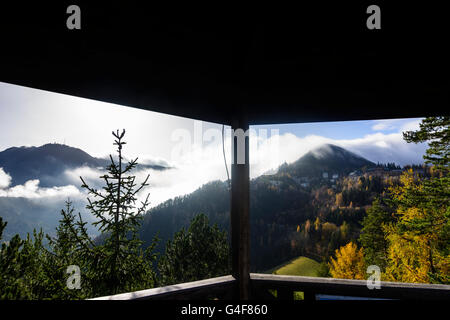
240 203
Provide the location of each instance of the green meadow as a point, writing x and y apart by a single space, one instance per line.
301 266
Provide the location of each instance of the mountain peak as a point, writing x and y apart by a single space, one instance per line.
332 150
45 163
328 158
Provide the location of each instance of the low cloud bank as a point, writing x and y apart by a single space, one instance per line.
31 189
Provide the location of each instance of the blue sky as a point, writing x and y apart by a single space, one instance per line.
31 117
342 129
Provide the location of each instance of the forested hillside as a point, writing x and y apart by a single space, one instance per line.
291 215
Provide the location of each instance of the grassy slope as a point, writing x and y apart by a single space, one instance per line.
301 266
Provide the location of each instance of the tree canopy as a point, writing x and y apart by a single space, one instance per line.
199 252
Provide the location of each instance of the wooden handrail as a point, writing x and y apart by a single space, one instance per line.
188 290
346 287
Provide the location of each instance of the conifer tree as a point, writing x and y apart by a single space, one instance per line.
373 236
197 253
72 246
120 264
25 270
435 131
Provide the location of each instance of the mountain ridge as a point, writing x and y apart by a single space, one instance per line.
49 161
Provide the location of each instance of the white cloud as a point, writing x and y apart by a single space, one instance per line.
379 147
89 174
5 179
381 126
396 125
411 125
382 144
386 125
31 189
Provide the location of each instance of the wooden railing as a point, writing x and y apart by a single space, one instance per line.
220 287
285 286
312 286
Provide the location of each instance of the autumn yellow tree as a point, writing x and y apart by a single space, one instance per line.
349 263
408 258
317 224
339 200
416 240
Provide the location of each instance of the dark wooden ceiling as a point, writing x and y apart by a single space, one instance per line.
276 64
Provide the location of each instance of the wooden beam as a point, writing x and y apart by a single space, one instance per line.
240 203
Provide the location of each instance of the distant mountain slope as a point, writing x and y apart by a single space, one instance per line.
277 204
327 158
23 215
47 162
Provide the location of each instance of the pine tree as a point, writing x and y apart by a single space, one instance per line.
120 264
435 131
30 271
25 268
197 253
72 246
373 237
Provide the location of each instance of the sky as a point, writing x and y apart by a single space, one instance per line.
31 117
